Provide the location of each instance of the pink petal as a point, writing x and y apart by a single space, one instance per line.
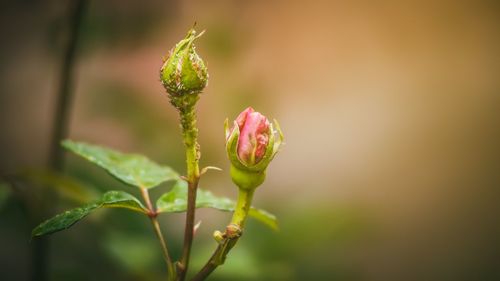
254 137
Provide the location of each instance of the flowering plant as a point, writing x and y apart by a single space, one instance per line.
251 144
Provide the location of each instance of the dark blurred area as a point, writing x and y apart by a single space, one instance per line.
390 109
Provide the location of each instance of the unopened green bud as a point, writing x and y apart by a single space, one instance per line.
184 72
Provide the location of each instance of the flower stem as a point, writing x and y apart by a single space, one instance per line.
156 227
231 237
185 105
242 207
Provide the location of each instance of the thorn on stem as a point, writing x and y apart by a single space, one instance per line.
195 228
204 170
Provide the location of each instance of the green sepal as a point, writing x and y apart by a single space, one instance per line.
232 147
226 129
133 169
176 201
279 143
111 199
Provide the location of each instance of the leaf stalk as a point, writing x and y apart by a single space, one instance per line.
152 214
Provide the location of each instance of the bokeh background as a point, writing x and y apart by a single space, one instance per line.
390 111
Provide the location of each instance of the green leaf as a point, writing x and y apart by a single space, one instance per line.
176 201
63 221
121 199
264 217
67 187
111 199
132 169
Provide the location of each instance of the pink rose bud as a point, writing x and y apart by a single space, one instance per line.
250 146
254 136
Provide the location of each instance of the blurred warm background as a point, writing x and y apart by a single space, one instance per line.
390 110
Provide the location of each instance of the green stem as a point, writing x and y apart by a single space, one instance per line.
166 256
185 104
237 222
242 207
156 227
